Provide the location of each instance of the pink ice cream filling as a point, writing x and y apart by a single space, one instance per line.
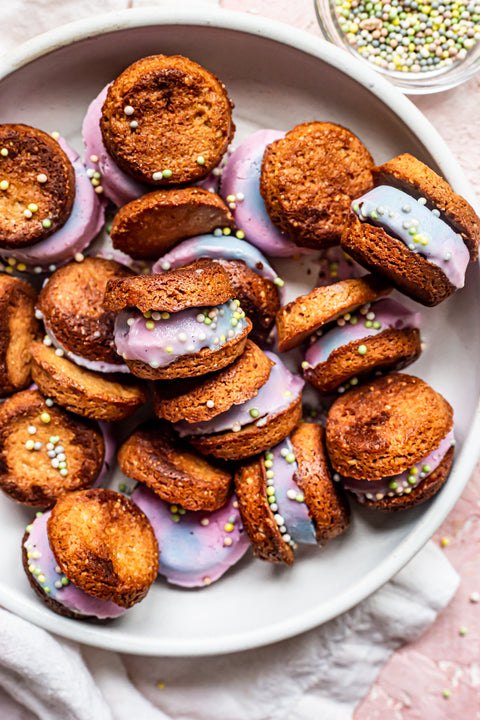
85 221
279 392
44 569
380 316
241 179
161 338
196 548
401 484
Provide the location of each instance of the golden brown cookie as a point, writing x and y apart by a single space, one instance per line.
252 438
104 544
380 429
257 518
18 327
198 284
32 431
301 317
94 395
167 120
71 305
149 226
324 498
155 456
37 186
204 399
309 179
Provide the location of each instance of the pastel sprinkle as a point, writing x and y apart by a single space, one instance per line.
200 160
445 541
4 184
42 178
4 152
45 417
362 349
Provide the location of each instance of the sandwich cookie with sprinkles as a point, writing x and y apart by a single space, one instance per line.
46 451
256 284
182 323
287 496
241 411
390 442
93 556
50 211
413 229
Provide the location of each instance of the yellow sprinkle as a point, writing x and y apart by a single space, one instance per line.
169 349
21 267
240 234
11 261
445 541
160 685
150 324
9 270
228 527
227 231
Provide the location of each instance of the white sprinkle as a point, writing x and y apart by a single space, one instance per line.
436 212
128 110
202 336
38 314
341 322
370 316
90 172
94 158
231 333
154 364
130 321
157 175
52 268
134 124
240 196
291 494
49 402
284 452
448 256
369 496
61 457
216 172
32 429
37 269
422 201
217 232
379 496
58 584
283 529
59 352
210 404
47 341
50 446
274 507
28 214
279 520
287 538
182 337
79 257
37 445
165 265
236 427
475 597
336 477
55 463
190 347
156 315
204 522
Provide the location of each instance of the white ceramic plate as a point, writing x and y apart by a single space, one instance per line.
277 77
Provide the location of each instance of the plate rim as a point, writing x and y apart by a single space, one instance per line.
403 108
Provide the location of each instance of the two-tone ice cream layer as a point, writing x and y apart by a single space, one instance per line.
53 583
280 392
420 228
240 187
160 338
117 185
196 548
286 500
83 224
356 326
402 484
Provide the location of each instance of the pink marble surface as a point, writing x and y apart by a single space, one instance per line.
445 660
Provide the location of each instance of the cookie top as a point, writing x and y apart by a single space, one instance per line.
324 498
204 399
94 395
201 283
171 468
104 544
71 305
150 226
37 186
297 320
167 120
46 451
18 327
414 177
309 179
383 427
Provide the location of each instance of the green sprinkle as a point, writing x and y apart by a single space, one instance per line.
234 322
368 324
446 693
272 499
64 472
200 160
167 173
412 479
208 321
28 529
47 223
462 631
53 439
300 498
393 484
426 468
65 580
46 589
290 458
254 412
268 456
122 487
176 518
377 325
278 281
362 349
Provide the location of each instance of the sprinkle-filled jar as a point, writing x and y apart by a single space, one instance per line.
421 47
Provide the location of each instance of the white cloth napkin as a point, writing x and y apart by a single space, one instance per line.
321 674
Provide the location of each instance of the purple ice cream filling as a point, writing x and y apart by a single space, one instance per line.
287 501
160 338
381 315
44 569
419 228
85 221
279 392
241 179
196 548
401 484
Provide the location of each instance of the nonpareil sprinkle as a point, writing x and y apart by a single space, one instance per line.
408 36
